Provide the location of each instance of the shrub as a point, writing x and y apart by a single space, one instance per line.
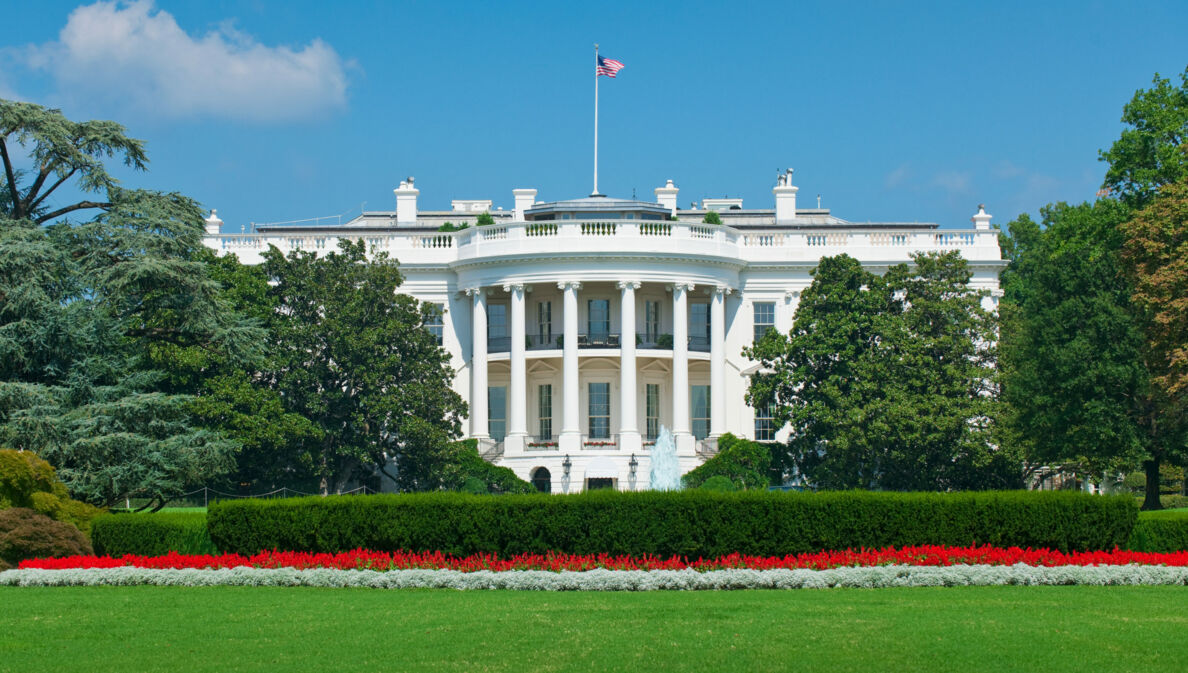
151 534
25 534
1160 532
744 463
30 482
719 483
712 217
468 471
696 523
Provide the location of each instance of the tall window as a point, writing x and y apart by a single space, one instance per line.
435 321
598 319
651 321
652 409
496 321
599 410
699 324
545 411
544 321
542 480
497 412
764 318
700 402
764 423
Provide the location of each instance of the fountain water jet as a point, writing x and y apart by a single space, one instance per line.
666 471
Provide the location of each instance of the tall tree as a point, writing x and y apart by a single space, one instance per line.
1153 148
83 305
354 357
887 382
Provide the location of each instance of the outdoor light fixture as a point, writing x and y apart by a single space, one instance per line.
633 464
566 464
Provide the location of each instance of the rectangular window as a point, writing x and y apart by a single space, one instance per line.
652 411
497 412
544 322
496 321
699 326
545 411
764 318
599 415
651 321
765 424
598 319
699 400
435 322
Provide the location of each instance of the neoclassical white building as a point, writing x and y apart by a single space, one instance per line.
578 328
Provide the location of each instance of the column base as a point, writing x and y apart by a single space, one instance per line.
515 444
630 442
685 444
569 442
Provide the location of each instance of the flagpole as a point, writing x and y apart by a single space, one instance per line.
595 120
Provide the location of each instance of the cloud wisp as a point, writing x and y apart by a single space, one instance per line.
138 57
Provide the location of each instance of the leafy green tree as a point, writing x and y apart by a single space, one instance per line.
84 305
353 356
484 219
1075 375
1153 149
712 217
887 382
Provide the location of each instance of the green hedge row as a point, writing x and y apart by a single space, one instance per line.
692 523
151 534
1160 532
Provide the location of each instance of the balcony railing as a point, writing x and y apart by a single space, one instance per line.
610 443
536 342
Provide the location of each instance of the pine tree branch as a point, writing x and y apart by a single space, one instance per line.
30 207
69 209
29 195
12 185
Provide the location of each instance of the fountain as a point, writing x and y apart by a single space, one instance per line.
666 471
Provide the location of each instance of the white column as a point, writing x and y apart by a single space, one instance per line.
517 422
629 438
478 364
680 368
718 361
571 429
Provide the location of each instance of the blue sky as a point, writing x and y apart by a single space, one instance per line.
273 111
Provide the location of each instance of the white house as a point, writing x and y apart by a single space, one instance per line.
577 328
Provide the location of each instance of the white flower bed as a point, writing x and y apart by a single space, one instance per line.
613 580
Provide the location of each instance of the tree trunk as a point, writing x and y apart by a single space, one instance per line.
1151 501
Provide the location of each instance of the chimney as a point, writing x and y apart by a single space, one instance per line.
785 198
667 196
981 220
406 202
214 226
524 200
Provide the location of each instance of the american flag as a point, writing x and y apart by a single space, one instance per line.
608 67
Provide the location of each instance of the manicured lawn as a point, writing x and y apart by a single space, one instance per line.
115 629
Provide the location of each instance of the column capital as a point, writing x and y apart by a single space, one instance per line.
518 287
686 286
566 284
791 294
723 289
472 291
624 284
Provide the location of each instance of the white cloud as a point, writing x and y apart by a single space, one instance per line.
136 55
954 182
897 177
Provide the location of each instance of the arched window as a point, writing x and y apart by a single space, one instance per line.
542 480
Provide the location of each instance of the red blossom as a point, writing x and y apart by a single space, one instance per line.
360 559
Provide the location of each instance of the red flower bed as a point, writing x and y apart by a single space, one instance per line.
367 560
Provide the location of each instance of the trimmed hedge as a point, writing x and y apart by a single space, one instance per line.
690 523
1160 532
151 534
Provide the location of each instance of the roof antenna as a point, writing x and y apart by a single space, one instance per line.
818 202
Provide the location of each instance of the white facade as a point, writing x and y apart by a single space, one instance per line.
577 328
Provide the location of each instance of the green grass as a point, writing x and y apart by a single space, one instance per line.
301 629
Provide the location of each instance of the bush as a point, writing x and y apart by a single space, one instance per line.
743 462
712 217
694 523
718 483
468 472
151 534
1160 532
30 482
26 534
